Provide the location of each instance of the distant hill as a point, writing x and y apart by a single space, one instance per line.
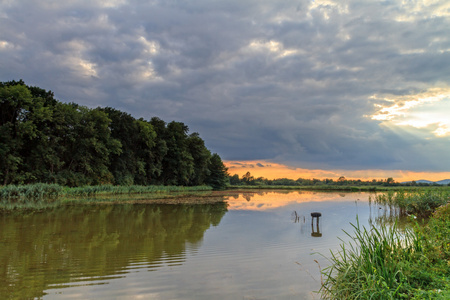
441 182
445 181
424 181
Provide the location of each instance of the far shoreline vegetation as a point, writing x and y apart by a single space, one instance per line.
327 183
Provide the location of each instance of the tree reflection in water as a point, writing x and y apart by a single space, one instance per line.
69 244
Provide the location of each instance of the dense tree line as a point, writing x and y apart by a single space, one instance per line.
248 179
45 140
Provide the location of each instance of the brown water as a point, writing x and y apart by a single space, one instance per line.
255 246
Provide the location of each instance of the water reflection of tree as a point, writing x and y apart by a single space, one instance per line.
247 196
66 244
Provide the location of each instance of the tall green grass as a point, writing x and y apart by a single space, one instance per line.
42 195
389 263
132 189
368 267
419 202
31 192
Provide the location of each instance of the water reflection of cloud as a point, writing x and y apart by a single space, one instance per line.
261 201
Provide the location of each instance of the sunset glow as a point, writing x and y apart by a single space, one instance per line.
273 171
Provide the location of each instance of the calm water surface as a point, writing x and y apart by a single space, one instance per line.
254 246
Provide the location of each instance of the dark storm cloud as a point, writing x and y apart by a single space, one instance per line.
286 81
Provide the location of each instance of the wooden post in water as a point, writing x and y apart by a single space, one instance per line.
316 215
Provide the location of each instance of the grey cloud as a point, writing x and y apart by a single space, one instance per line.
266 80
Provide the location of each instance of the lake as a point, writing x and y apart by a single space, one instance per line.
255 245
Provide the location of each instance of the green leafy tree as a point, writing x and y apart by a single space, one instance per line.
201 158
160 148
21 119
234 180
390 181
86 145
218 178
178 163
342 180
124 164
148 154
40 155
134 162
247 178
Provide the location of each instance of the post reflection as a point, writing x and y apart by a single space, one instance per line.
316 232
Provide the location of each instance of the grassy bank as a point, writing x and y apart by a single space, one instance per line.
390 263
39 196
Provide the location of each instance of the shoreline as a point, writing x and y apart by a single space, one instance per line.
42 196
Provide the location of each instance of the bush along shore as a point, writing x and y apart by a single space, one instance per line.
42 195
394 263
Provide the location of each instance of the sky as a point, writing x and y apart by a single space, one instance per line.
314 88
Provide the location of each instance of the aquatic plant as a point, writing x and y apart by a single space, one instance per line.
389 263
419 202
40 195
132 189
369 267
30 192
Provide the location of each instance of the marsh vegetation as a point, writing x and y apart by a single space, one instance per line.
393 262
40 195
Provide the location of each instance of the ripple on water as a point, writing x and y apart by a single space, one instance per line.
252 251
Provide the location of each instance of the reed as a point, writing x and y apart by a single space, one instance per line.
40 195
30 192
390 263
369 267
132 189
419 202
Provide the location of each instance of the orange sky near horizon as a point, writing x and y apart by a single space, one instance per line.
271 170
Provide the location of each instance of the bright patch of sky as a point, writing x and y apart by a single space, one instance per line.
425 110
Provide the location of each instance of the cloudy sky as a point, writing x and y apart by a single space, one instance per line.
332 86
